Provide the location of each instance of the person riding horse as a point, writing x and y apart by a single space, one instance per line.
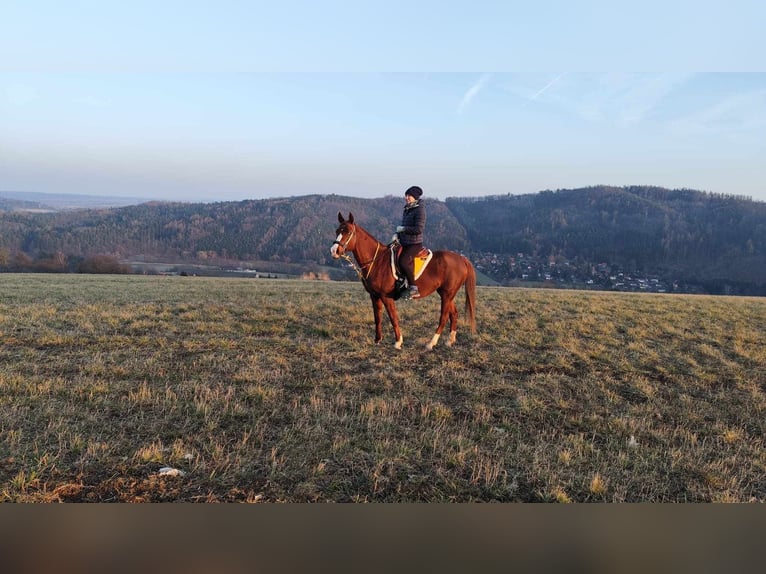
410 235
445 275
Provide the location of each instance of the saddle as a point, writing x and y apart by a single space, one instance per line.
422 259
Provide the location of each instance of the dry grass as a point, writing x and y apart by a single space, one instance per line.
265 390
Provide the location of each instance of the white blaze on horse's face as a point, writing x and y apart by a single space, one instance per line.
334 248
339 246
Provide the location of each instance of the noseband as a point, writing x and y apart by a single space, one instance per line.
348 240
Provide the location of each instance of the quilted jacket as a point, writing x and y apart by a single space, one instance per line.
414 223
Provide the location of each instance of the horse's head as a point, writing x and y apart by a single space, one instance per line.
346 236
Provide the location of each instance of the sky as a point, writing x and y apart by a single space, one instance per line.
229 100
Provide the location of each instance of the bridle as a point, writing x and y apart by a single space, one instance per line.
348 240
350 261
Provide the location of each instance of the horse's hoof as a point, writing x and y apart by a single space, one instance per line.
432 343
398 344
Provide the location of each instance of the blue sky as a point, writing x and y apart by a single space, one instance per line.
209 101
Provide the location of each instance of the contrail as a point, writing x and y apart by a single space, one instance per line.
548 85
471 93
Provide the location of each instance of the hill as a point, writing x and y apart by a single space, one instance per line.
280 232
605 237
712 240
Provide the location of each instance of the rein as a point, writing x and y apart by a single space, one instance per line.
353 265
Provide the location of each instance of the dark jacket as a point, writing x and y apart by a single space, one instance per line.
414 223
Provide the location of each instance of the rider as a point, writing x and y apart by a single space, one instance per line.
410 234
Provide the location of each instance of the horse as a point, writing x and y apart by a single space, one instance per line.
445 274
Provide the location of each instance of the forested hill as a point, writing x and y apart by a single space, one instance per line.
682 235
692 235
294 230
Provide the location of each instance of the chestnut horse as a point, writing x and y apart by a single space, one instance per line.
445 274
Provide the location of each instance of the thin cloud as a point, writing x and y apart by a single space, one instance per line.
543 89
91 101
618 99
645 96
20 94
472 92
737 114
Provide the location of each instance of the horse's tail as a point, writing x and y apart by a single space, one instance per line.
470 295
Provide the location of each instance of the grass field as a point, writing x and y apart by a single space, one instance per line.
271 390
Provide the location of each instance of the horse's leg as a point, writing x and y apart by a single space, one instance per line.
445 309
377 308
394 317
452 323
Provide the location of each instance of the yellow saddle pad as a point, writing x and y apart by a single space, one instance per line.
421 261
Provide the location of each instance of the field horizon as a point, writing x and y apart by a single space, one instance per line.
126 388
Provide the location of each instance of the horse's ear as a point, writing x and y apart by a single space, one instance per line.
350 217
340 217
